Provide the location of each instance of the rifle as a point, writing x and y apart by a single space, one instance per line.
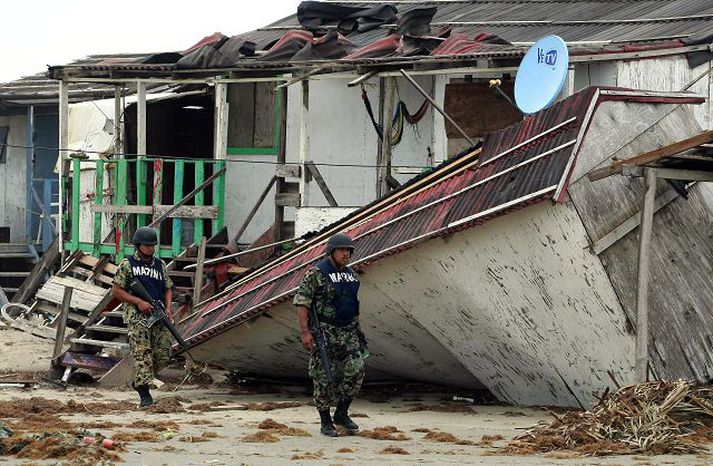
158 311
320 340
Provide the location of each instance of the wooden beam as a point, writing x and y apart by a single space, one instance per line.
383 160
288 199
118 140
669 173
642 289
93 316
630 223
652 156
198 280
287 171
254 210
141 118
62 324
321 183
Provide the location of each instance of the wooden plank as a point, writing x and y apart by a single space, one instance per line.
322 184
287 199
30 286
63 142
141 118
98 199
185 211
100 343
303 148
141 188
91 261
108 329
652 156
287 171
177 227
121 184
255 208
62 325
199 176
76 189
198 280
98 268
642 293
264 133
241 120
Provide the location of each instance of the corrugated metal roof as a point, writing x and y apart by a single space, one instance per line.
40 89
525 163
513 20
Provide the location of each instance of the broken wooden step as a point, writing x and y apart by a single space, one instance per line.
100 343
14 274
108 329
88 361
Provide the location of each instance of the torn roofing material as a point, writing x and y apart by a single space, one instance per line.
526 163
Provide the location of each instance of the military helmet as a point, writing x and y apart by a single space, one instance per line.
340 240
145 235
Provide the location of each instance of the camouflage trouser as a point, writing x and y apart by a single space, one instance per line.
150 350
346 363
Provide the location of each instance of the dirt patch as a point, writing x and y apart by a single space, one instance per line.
443 407
269 406
393 451
143 436
282 429
160 426
345 450
308 456
385 433
261 437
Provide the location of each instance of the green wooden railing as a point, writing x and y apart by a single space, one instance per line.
147 201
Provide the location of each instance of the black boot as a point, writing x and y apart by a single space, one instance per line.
327 425
144 395
341 416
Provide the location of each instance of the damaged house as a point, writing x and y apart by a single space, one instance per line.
489 258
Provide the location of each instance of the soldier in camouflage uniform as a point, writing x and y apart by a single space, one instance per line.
331 288
150 346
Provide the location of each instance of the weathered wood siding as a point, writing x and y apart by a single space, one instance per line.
669 74
13 179
681 249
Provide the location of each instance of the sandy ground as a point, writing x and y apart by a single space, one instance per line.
223 431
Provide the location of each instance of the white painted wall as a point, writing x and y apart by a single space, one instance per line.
13 179
309 219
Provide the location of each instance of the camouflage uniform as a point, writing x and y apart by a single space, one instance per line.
150 347
346 360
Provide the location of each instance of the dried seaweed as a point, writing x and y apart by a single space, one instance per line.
384 433
660 417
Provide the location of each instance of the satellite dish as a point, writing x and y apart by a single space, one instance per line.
541 75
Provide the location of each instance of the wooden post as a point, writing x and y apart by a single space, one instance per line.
304 145
158 196
62 325
220 140
122 173
118 140
141 188
642 290
281 158
198 282
63 141
30 155
141 118
384 159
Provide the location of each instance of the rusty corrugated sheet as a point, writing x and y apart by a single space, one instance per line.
525 163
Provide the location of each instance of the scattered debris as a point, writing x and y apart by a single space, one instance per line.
167 405
142 436
100 425
203 422
442 407
261 437
278 428
68 446
161 426
393 451
308 456
5 431
204 437
487 440
384 433
345 450
208 406
269 406
660 417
